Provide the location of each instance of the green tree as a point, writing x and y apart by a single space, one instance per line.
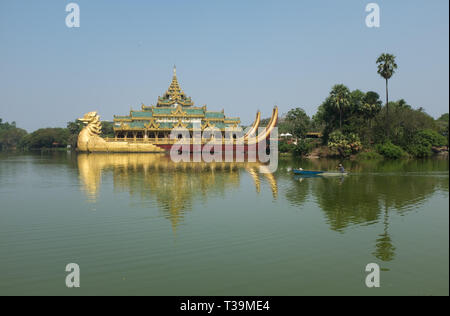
10 135
10 138
442 125
370 108
108 129
423 142
46 138
338 111
386 69
402 104
371 105
344 145
285 147
405 122
297 122
302 148
74 129
340 99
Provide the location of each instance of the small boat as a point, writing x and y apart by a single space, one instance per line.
319 173
307 172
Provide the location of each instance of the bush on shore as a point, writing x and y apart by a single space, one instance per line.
344 145
424 141
285 147
391 151
302 148
369 155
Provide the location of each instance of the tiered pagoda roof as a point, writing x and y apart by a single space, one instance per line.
174 95
173 110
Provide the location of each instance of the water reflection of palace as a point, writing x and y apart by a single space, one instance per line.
174 186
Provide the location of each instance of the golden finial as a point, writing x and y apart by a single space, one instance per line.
174 70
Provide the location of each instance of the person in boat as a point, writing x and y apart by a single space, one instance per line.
341 168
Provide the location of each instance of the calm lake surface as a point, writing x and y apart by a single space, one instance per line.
139 224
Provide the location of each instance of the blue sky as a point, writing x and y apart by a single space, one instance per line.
238 55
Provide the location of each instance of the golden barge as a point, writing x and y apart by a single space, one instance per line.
149 129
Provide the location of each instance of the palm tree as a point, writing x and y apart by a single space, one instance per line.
386 69
340 99
402 104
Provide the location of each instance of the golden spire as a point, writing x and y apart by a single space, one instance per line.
174 95
174 89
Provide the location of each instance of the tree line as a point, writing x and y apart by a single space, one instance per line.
12 137
357 122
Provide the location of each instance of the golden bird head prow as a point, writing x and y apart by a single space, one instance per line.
89 117
92 121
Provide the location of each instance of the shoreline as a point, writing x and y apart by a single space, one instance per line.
322 152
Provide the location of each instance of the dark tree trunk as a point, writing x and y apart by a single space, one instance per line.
387 110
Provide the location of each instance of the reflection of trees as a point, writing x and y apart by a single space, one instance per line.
361 199
371 193
443 184
298 192
352 201
403 191
173 186
385 250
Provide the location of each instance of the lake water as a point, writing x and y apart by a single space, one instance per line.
139 224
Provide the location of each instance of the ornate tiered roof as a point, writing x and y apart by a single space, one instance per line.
173 109
174 95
